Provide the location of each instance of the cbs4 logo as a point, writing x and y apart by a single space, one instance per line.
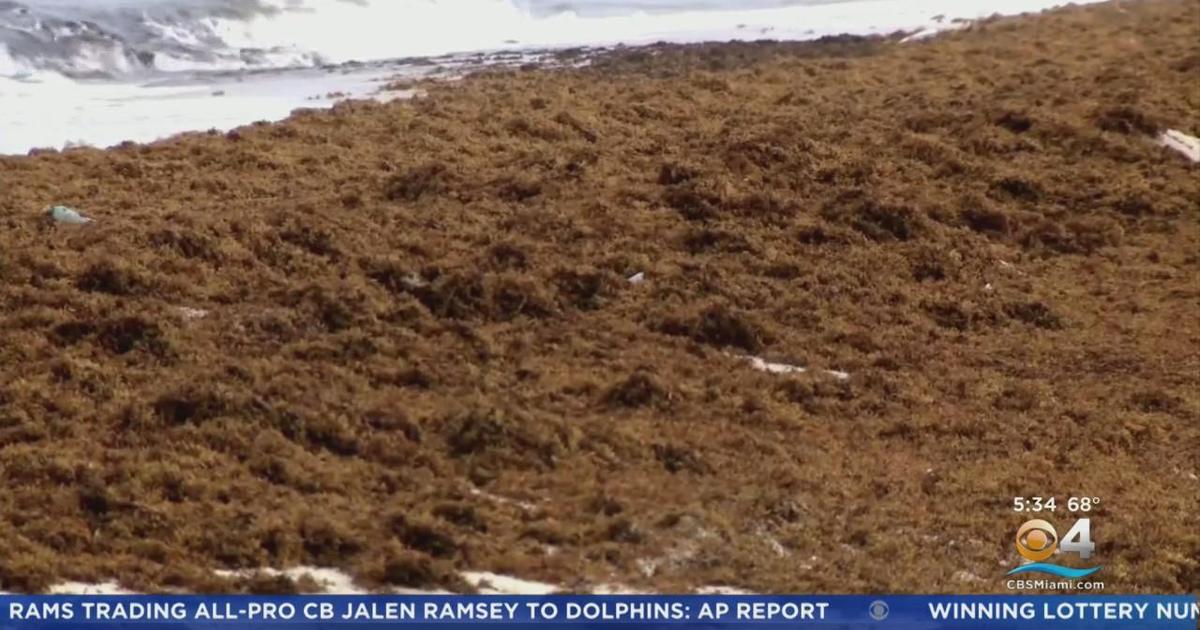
1038 540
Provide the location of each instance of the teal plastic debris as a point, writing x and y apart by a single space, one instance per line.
63 214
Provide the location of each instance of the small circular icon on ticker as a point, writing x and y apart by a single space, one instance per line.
879 610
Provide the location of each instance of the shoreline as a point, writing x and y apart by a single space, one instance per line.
48 111
774 316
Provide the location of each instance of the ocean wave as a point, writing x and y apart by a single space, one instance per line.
124 38
121 38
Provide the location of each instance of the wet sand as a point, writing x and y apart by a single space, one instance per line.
402 340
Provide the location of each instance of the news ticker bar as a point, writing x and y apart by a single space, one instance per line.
877 612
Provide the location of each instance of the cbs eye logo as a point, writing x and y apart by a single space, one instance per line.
1037 540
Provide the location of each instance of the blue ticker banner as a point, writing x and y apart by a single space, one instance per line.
883 612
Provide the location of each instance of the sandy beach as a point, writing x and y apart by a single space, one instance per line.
785 317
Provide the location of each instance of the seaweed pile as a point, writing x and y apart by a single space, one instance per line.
402 339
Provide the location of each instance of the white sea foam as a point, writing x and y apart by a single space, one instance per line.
52 111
